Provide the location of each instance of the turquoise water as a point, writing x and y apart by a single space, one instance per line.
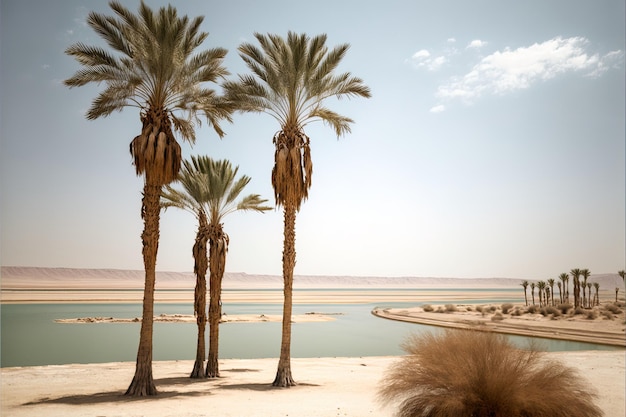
29 335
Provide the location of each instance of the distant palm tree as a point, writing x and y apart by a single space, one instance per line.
157 72
565 280
621 274
291 79
585 274
541 286
575 273
532 291
596 285
560 285
551 285
210 191
525 285
564 277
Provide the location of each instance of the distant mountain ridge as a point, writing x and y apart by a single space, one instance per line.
18 277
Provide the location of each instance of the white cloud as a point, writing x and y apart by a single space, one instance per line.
421 54
476 44
438 108
510 70
423 59
451 40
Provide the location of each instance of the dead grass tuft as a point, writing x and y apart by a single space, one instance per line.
481 374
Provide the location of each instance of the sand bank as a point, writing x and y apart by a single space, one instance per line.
327 387
311 317
566 327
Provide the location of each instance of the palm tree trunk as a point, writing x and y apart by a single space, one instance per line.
217 264
283 374
143 382
200 268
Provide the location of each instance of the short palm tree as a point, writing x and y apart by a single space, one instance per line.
525 285
155 69
575 273
541 287
532 291
585 274
550 282
596 285
565 280
210 190
292 78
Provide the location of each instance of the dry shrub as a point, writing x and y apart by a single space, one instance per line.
564 308
481 374
450 308
479 309
607 314
517 312
613 308
493 308
532 309
579 310
427 307
591 314
553 310
506 307
497 317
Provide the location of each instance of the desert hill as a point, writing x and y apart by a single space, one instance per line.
19 277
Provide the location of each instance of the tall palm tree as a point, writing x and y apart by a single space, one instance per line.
292 77
575 273
541 286
525 285
532 291
551 285
210 191
153 67
560 285
621 274
565 280
596 285
585 274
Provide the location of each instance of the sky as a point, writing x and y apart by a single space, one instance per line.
493 144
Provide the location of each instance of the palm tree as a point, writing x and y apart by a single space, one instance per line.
565 279
621 274
532 291
575 273
210 191
154 68
560 285
585 274
525 285
291 79
596 300
551 285
541 286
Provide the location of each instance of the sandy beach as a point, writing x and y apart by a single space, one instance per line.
327 386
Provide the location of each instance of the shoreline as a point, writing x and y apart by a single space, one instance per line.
571 328
327 387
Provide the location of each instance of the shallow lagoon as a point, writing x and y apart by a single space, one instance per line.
29 335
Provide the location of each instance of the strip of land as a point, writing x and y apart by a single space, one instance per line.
595 325
311 317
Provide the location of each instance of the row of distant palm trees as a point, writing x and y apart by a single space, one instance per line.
545 289
155 68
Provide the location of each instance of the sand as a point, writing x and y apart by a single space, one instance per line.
572 327
327 387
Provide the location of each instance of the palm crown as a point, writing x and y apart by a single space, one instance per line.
291 79
157 71
211 187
